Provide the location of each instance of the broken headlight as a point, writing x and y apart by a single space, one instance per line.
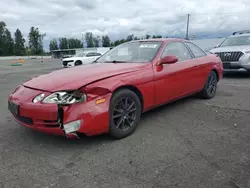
65 97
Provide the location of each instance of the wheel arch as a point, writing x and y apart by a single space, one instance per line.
217 73
135 90
78 60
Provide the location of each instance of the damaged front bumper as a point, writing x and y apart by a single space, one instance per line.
87 118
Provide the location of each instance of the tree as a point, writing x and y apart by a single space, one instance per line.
63 43
19 48
27 51
136 38
147 36
36 41
2 31
157 36
53 45
122 41
89 39
74 43
106 41
78 43
71 43
8 43
130 37
117 42
96 41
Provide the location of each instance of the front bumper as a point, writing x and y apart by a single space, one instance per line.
235 65
67 64
50 118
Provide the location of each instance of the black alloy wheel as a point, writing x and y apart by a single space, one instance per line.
211 86
125 112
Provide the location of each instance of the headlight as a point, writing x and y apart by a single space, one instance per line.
38 98
65 97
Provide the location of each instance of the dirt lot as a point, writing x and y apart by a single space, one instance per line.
190 143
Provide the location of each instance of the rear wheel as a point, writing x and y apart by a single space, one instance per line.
125 112
78 62
210 88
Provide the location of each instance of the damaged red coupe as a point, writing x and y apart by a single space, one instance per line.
109 95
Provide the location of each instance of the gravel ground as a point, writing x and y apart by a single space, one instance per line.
191 143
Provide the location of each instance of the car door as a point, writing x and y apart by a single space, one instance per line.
89 58
203 65
173 81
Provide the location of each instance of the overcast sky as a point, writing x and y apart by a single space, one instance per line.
118 18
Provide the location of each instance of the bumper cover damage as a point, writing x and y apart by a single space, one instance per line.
87 118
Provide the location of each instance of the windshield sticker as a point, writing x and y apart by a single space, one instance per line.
148 45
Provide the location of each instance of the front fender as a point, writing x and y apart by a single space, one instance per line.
143 81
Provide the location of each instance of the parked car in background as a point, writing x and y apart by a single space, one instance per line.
234 51
80 59
109 95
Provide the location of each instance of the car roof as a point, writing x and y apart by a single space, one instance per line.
246 34
160 40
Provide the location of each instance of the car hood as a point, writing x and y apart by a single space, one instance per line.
231 49
70 58
76 77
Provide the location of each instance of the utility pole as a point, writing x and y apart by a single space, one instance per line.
82 40
188 15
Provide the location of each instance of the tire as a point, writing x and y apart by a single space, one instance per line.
78 62
210 88
123 123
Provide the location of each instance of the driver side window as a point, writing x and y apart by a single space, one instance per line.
90 54
177 49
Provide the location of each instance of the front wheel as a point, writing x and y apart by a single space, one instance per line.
78 62
210 88
125 112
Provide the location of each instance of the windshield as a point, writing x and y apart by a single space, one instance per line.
80 55
132 52
236 41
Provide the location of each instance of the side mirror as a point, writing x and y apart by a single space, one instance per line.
168 60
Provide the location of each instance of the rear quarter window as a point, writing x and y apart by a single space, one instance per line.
198 52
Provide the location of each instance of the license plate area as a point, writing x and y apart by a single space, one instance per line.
14 108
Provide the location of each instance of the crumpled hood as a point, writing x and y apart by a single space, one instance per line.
231 49
76 77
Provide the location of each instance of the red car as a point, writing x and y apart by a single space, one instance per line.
109 95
